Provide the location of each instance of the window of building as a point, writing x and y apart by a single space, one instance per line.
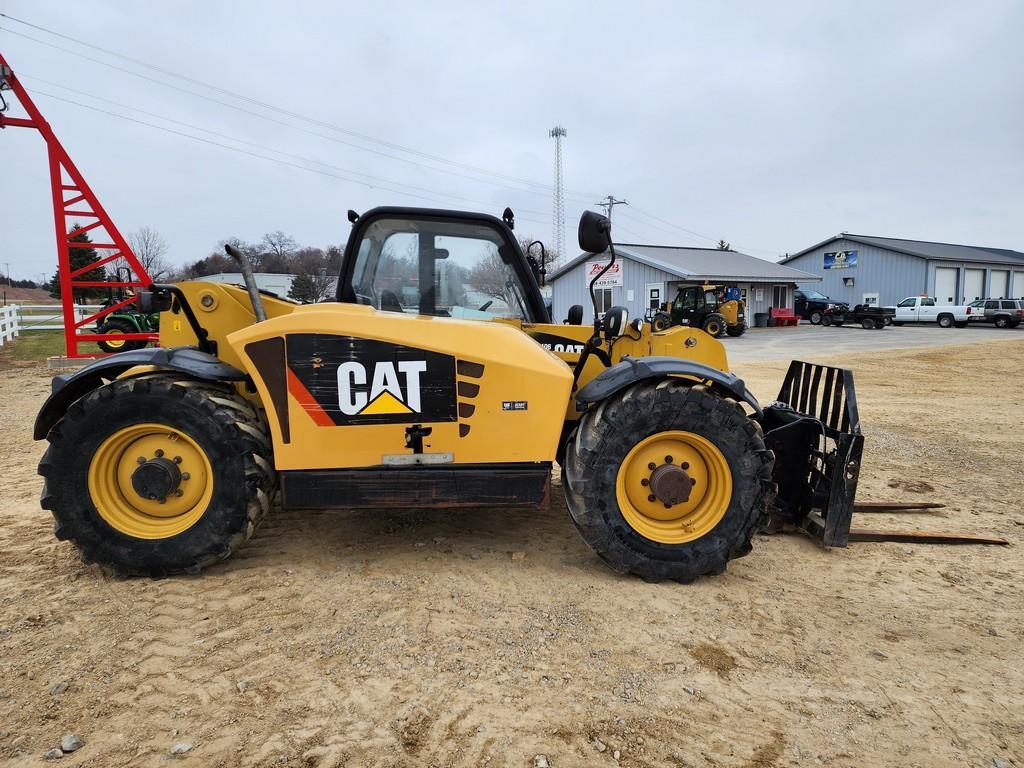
780 296
604 300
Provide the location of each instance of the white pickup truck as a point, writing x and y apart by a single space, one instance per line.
923 309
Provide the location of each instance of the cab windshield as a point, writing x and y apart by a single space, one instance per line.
441 268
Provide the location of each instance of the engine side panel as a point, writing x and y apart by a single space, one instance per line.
347 386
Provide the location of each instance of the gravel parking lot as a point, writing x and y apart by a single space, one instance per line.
488 637
809 342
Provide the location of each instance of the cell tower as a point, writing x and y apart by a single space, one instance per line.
558 205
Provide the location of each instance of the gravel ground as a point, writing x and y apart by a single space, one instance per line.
496 638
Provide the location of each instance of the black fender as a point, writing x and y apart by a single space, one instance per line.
633 369
70 387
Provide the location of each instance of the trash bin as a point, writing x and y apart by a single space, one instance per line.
760 319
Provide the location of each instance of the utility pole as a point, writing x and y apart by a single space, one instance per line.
558 203
608 203
9 283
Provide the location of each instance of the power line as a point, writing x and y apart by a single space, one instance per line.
316 161
266 157
256 102
277 122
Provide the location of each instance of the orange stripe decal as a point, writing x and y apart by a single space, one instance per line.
298 390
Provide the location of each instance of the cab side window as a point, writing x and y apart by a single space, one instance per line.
927 302
908 303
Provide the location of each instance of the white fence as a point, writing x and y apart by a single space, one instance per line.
20 318
8 323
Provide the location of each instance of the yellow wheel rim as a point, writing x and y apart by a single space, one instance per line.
114 343
123 508
714 328
684 521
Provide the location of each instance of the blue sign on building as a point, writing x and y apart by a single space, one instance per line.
840 259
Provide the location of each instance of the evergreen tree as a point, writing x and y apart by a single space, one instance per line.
79 258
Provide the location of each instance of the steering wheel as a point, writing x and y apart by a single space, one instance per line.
485 305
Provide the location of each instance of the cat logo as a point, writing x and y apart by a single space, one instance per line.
344 380
394 388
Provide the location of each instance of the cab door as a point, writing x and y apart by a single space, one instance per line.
689 304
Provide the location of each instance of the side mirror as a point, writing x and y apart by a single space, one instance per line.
575 316
595 232
440 253
615 322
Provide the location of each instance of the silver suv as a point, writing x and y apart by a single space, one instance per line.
1005 313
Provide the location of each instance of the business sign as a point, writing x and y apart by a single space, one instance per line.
840 260
610 278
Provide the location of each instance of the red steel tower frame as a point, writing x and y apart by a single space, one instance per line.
74 199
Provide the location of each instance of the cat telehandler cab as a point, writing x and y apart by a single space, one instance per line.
436 379
705 307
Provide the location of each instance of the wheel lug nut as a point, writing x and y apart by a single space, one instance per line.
179 493
159 453
645 482
652 497
693 481
141 460
177 459
667 505
163 500
186 476
668 459
652 465
685 465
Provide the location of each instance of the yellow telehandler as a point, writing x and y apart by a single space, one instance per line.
437 379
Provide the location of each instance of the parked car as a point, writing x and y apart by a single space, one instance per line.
867 316
924 309
1004 313
811 305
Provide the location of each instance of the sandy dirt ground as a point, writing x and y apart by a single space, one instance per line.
487 638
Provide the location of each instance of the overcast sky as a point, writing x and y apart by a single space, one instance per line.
772 125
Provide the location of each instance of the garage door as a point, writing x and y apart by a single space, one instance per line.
998 288
945 285
1018 285
974 284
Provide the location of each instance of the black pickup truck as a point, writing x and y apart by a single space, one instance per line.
868 316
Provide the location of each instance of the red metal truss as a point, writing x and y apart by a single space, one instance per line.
73 202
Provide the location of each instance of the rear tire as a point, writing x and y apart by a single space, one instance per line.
598 461
961 324
867 324
880 324
946 321
119 326
1002 322
815 318
84 469
826 320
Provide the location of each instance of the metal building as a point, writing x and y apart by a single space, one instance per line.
644 276
861 269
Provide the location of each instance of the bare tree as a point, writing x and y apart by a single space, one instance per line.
312 283
276 252
724 246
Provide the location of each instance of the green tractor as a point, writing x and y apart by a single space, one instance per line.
127 319
704 307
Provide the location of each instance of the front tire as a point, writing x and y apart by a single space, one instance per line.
826 320
815 317
690 436
714 325
868 324
126 445
662 321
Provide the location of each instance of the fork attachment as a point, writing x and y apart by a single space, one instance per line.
814 430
